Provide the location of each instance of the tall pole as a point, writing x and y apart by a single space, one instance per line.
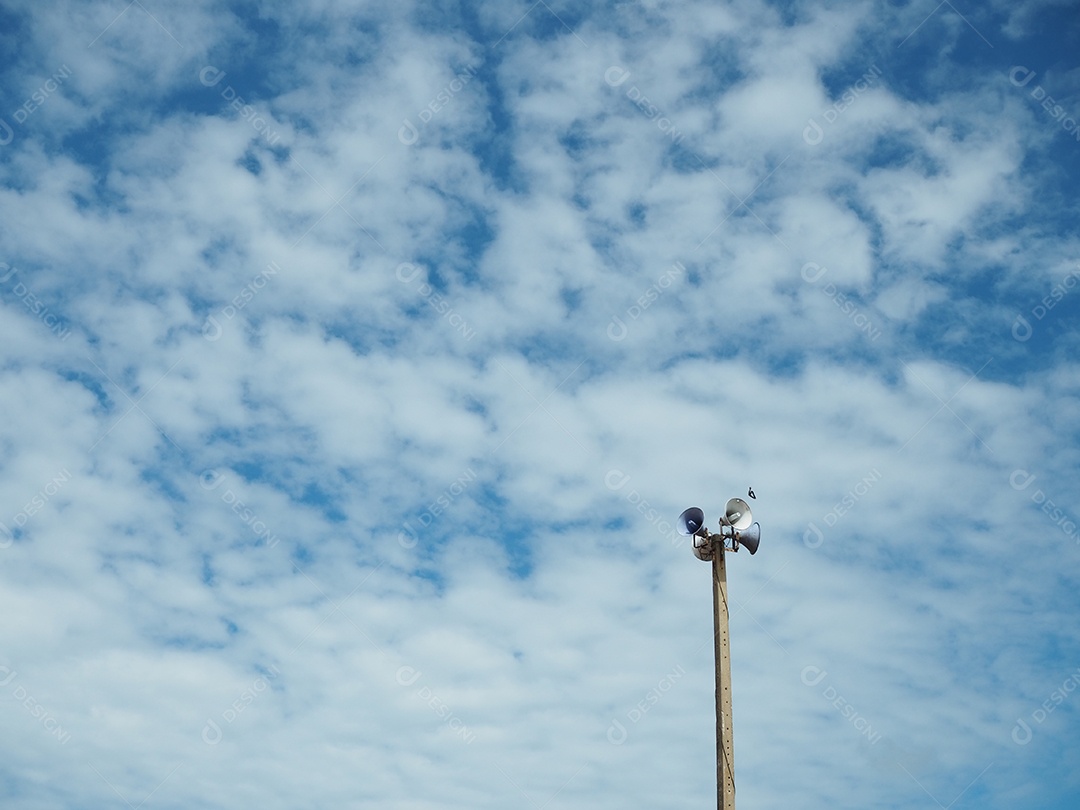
725 748
736 525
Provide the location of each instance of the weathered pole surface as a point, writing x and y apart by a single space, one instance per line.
725 748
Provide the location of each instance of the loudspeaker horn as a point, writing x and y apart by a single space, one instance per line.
690 521
750 537
737 514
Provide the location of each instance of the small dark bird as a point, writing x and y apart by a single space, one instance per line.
750 492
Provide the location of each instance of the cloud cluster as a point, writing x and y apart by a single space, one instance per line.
357 359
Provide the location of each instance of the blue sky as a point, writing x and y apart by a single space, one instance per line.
358 358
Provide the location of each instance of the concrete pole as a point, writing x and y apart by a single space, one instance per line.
725 748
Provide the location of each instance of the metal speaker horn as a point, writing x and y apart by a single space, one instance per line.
737 514
750 537
690 521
